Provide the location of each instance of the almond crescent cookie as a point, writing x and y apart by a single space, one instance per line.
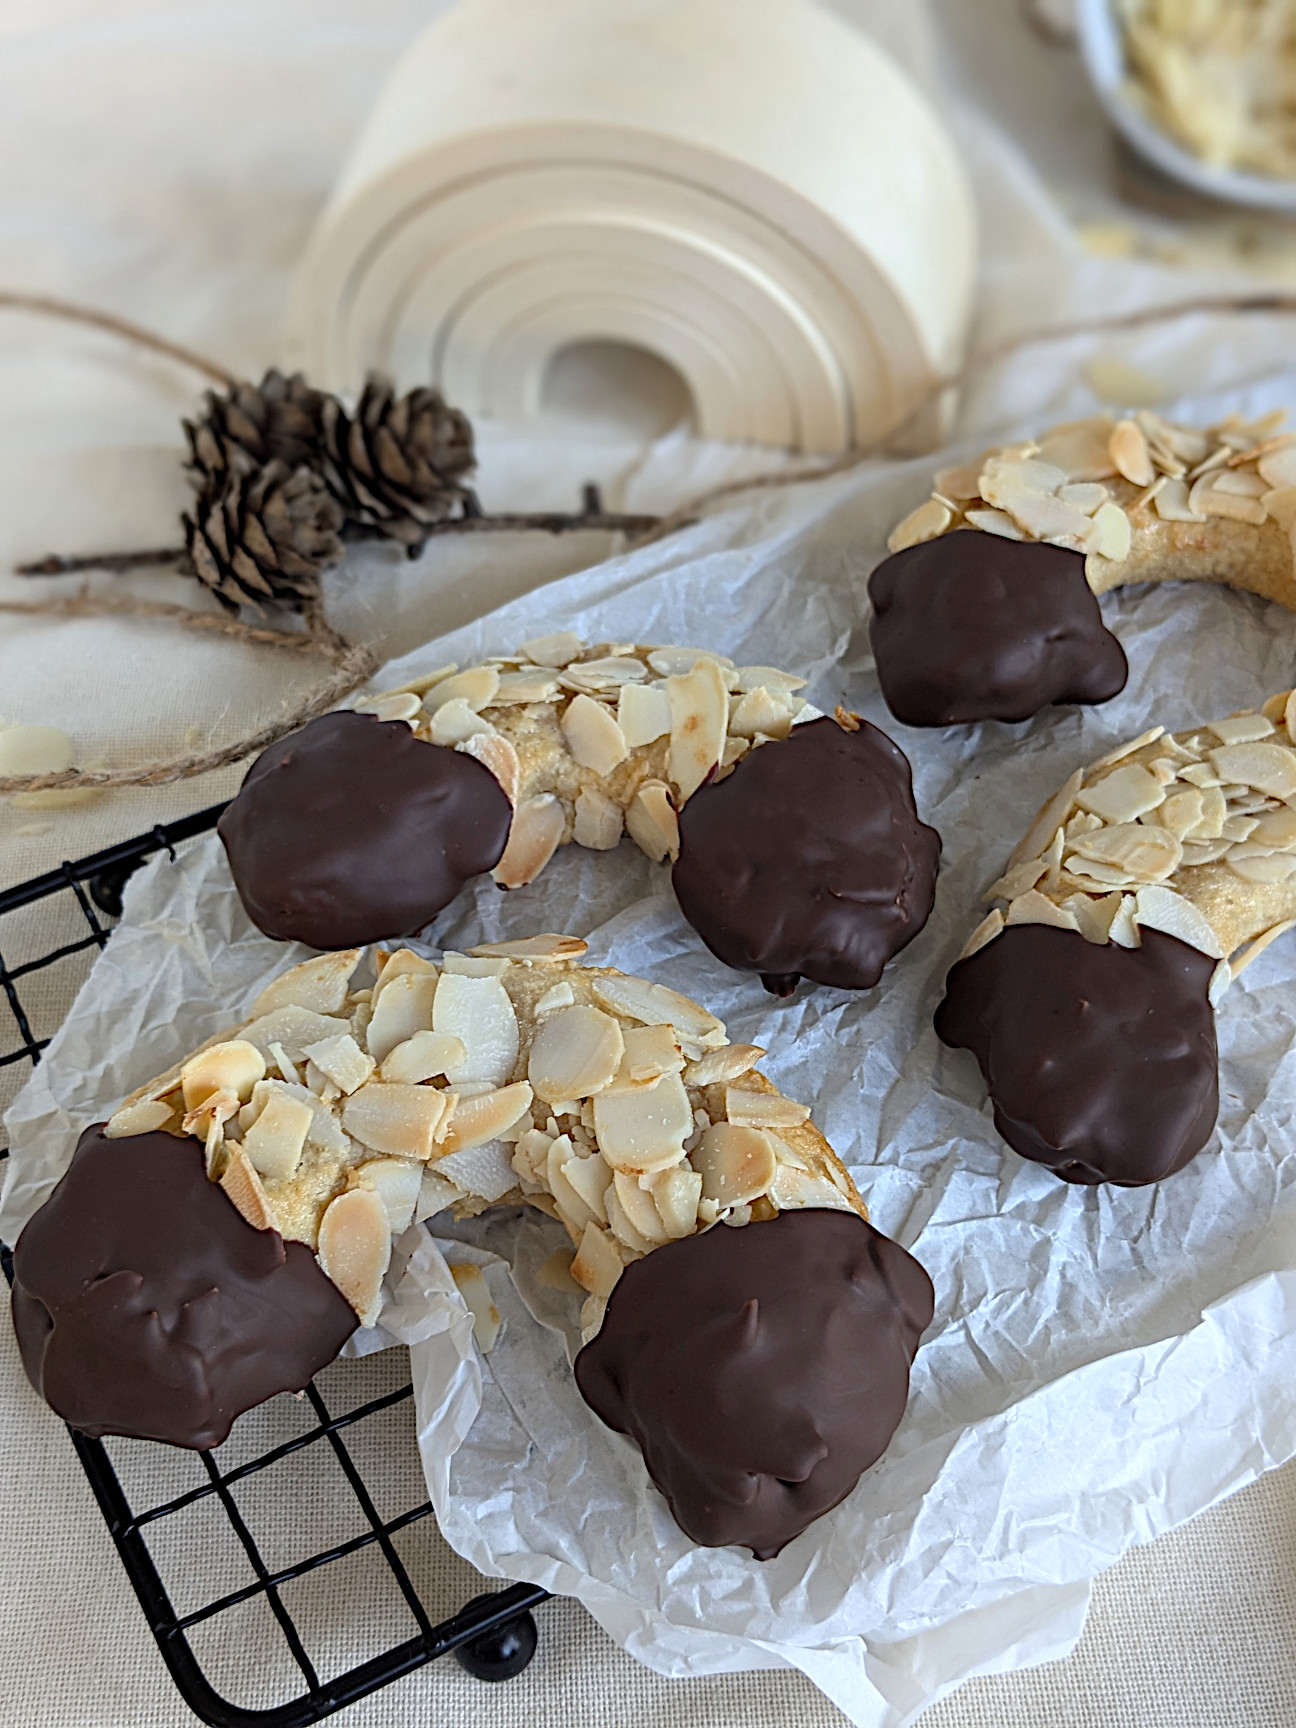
338 1114
1140 891
354 830
1000 619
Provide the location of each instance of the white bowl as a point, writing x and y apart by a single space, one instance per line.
1104 54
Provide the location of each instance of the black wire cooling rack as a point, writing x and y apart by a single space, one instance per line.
493 1636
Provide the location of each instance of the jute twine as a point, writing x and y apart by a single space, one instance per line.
351 666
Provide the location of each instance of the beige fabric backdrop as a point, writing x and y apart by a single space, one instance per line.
166 158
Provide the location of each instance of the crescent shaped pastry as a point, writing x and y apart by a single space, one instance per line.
986 608
1140 891
808 862
336 1116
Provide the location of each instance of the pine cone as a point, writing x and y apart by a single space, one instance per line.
263 536
395 464
277 420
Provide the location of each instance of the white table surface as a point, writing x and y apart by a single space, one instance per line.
166 159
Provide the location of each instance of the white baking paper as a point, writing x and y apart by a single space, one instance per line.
1103 1364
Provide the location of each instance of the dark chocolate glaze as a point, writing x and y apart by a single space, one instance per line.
809 860
145 1305
760 1370
971 626
353 830
1100 1061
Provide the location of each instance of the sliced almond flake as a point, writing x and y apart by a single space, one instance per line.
455 723
1148 854
1110 535
639 1207
1277 830
699 705
1037 908
395 965
1050 818
423 683
1270 768
517 688
1257 948
558 996
623 1229
1148 494
1181 812
575 1053
589 1178
985 932
610 669
927 522
485 1116
1158 908
556 650
1196 853
1238 483
1019 880
1218 458
1124 931
1172 503
1186 442
1128 449
1086 495
655 1005
736 1164
474 965
484 1171
592 735
530 949
1281 507
995 522
424 1056
729 1063
397 1182
962 484
144 1116
1239 828
534 836
1275 868
1081 448
673 662
650 1052
1005 477
598 821
1278 467
404 1007
233 1066
319 985
1093 917
643 714
243 1187
1053 519
479 1012
761 711
1123 795
1229 506
644 1130
498 756
1082 823
1095 878
341 1060
475 688
1220 979
651 821
355 1249
398 705
285 1064
1242 729
746 1109
676 1193
397 1119
470 1281
1200 774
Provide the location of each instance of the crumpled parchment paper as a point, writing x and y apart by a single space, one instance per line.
1103 1364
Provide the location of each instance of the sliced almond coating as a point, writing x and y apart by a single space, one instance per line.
144 1116
644 1130
233 1066
1146 853
485 1172
650 1052
1020 880
475 688
1036 908
1050 818
592 735
672 662
523 687
456 722
556 650
1121 751
643 714
729 1063
588 1177
927 522
1006 478
1216 501
995 522
1275 868
470 1281
1257 948
985 932
754 677
1182 811
292 1027
498 756
533 838
639 1207
1093 918
404 1007
1276 830
763 1109
485 1115
342 1061
962 483
275 1141
474 965
1172 503
622 1229
1278 467
736 1164
1242 729
243 1186
394 965
1081 448
320 985
596 1265
1124 795
792 1189
655 1005
399 1120
1270 768
1281 507
355 1249
1162 909
651 821
676 1193
574 1054
1213 816
396 705
557 996
422 1057
1110 535
763 711
397 1182
1086 495
1129 452
480 1014
699 705
610 670
548 947
598 822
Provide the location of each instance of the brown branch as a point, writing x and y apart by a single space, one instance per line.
50 307
59 564
351 667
